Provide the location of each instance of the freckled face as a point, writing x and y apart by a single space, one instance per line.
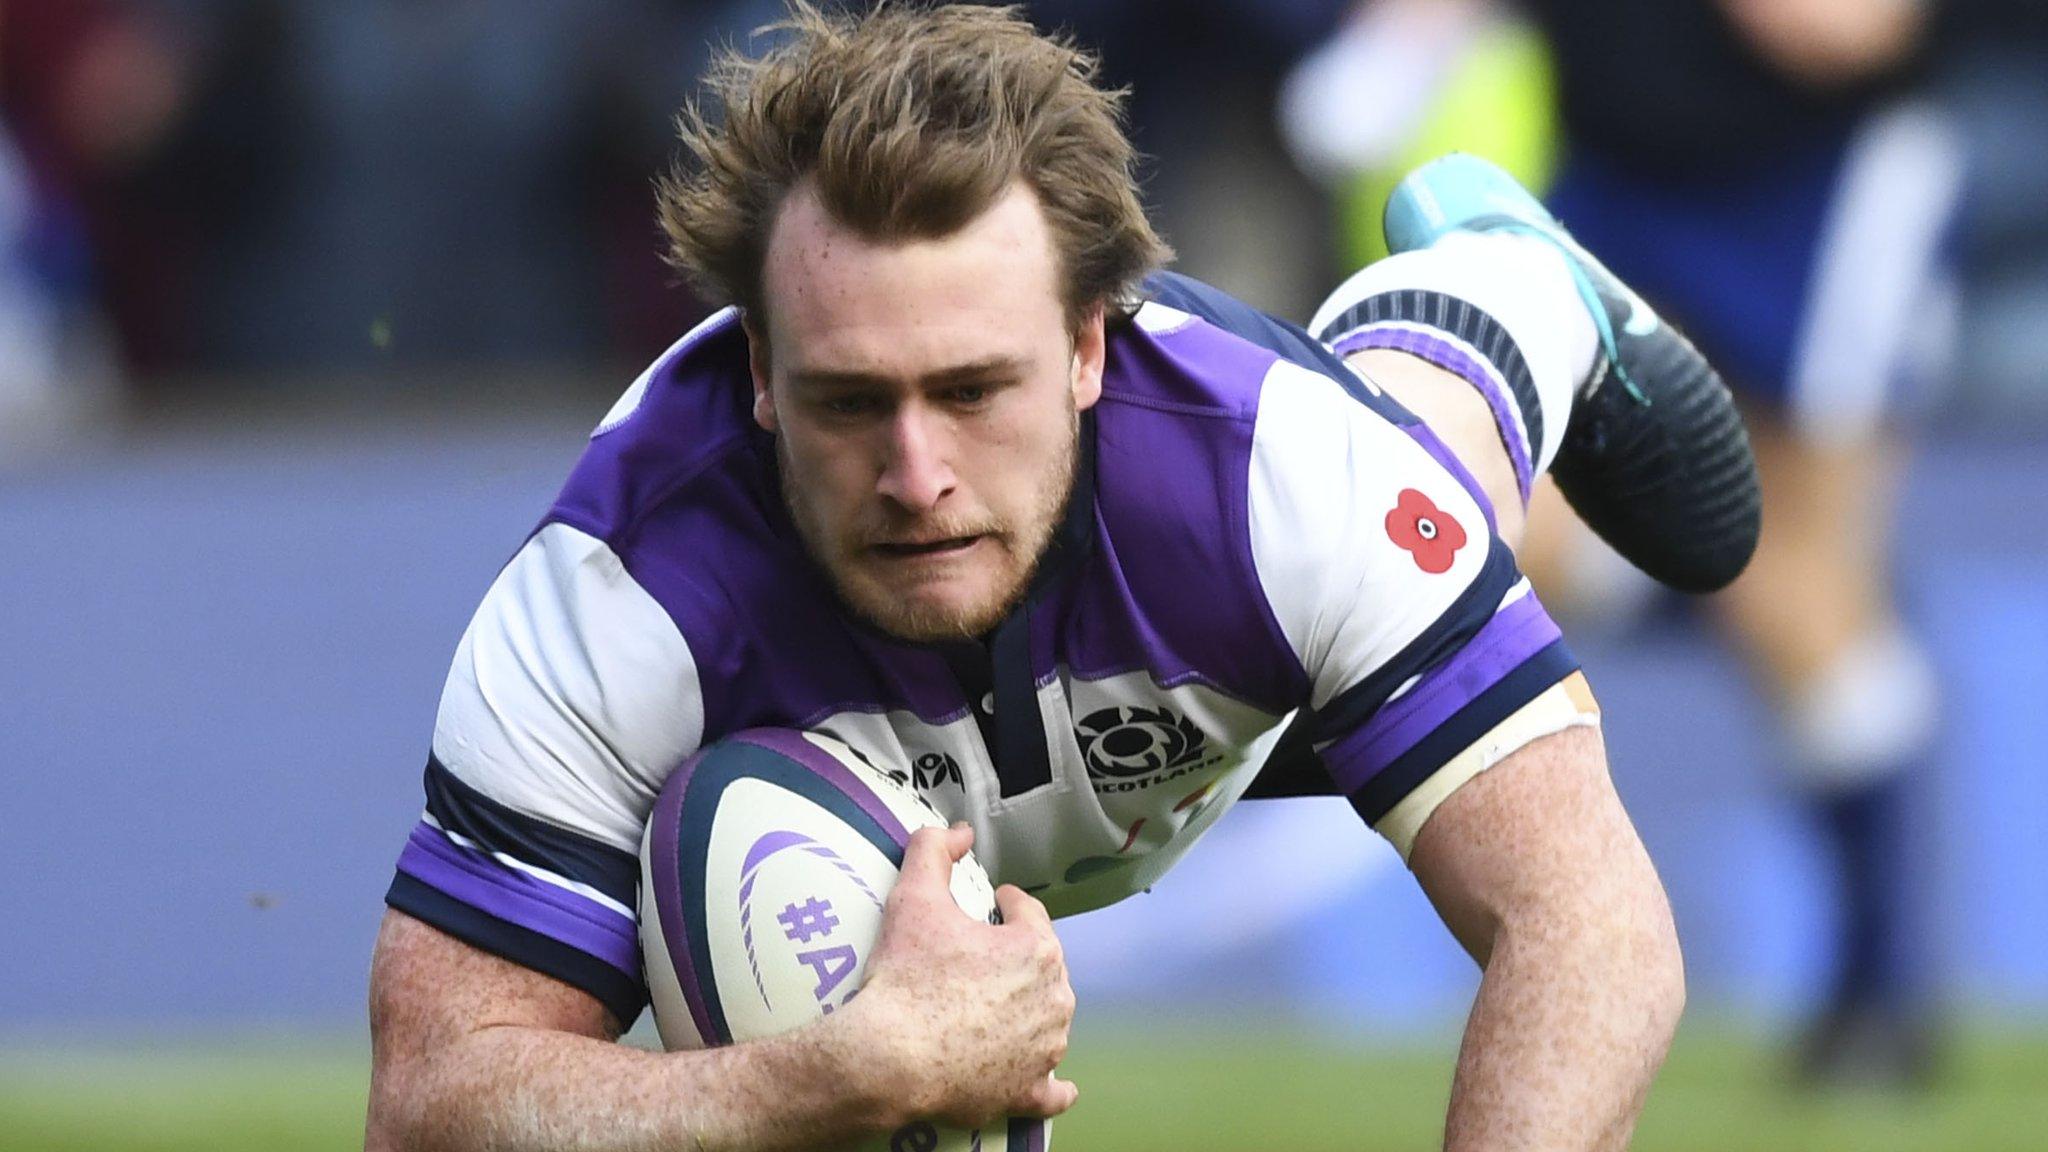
925 396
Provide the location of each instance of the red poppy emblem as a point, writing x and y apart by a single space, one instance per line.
1426 531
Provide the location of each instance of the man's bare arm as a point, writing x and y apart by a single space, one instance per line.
472 1051
1536 869
958 1019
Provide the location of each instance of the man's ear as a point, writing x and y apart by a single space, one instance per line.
757 368
1091 350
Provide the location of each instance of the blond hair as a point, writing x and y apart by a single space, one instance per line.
909 122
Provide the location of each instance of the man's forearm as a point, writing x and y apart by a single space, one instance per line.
959 1021
1534 866
1571 1023
509 1088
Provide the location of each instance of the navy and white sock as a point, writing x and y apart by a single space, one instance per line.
1866 831
1499 310
1857 734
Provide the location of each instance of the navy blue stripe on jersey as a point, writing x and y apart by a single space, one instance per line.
1026 1135
1023 761
1461 319
622 995
1284 340
1005 671
519 893
494 827
1377 796
1022 751
1350 709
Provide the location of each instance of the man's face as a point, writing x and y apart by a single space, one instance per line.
925 396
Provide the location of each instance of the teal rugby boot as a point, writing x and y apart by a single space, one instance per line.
1654 457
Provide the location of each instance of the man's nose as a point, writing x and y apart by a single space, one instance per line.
917 473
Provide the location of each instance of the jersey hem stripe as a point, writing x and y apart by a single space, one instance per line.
1376 796
493 827
621 993
538 873
475 879
1354 707
1517 632
1564 705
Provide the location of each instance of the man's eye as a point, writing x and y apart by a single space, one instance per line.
850 405
968 394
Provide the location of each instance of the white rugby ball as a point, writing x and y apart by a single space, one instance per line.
763 873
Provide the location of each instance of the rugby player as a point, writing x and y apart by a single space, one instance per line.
962 478
1764 170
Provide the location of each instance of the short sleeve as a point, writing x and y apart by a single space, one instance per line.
571 697
1377 555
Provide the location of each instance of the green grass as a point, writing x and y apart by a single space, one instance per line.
1718 1093
166 1099
1182 1089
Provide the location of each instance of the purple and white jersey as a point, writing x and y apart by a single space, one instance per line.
1258 545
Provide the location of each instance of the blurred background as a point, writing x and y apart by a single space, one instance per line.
306 308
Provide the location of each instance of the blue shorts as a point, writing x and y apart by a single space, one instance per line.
1814 285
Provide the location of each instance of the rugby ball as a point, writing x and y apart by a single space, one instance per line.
763 874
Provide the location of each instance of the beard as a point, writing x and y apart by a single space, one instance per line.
1020 545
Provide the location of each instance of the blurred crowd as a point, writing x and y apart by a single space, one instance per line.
296 195
293 194
277 190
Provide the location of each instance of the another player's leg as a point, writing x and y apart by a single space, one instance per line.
1814 617
1644 438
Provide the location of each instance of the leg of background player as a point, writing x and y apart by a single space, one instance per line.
1813 616
1816 586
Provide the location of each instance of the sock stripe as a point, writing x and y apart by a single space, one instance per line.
1440 348
1461 319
